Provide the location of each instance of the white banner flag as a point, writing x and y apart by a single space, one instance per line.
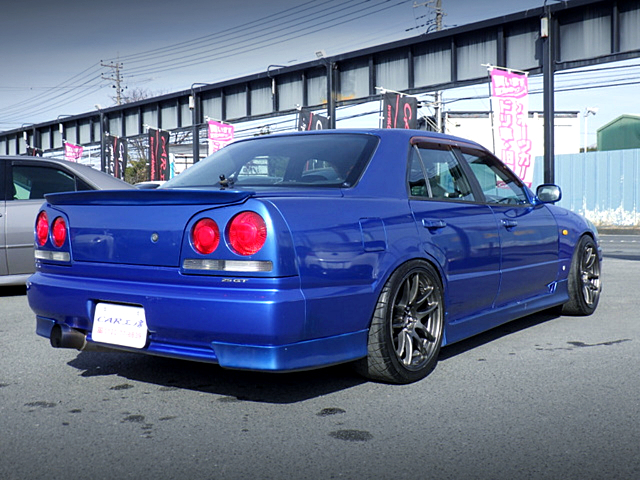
510 100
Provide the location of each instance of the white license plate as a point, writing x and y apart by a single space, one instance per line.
119 325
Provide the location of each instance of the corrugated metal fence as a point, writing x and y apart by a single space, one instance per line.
602 186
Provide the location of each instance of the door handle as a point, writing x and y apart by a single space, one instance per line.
433 224
509 223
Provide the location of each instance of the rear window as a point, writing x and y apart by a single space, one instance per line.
325 160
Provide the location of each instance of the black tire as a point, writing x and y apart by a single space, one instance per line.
407 326
585 284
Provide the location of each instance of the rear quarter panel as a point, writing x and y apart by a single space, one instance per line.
346 248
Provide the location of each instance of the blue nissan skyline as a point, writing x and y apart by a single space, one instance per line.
302 250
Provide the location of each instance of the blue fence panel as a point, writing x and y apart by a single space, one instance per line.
603 186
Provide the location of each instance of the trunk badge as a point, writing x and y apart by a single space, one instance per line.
154 237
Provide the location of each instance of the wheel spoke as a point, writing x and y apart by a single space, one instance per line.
428 290
404 299
398 320
414 284
428 335
430 308
590 292
586 294
408 348
402 344
589 259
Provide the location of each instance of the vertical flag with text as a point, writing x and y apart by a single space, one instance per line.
159 168
72 152
220 134
34 152
399 111
307 120
116 156
510 101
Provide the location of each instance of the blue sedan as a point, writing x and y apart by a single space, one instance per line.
303 250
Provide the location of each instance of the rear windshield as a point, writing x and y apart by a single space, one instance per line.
326 160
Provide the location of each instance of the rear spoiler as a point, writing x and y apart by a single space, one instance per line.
149 197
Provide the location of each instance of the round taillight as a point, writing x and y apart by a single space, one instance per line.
247 233
42 228
59 231
205 236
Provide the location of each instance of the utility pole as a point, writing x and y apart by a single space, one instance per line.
437 104
439 15
116 78
437 9
547 27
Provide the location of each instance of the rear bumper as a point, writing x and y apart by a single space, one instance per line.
257 325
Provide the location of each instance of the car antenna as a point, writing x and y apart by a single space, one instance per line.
225 182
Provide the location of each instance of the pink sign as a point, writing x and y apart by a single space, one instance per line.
72 152
220 134
511 113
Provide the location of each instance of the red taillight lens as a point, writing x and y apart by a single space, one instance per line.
59 232
247 233
42 228
205 236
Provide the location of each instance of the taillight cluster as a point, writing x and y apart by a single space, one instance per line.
246 234
58 230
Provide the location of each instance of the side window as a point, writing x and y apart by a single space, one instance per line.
33 182
498 184
443 177
417 182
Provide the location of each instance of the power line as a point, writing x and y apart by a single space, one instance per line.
217 35
88 73
296 22
272 39
302 14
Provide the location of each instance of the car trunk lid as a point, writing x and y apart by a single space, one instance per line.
136 227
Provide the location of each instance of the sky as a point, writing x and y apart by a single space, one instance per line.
51 55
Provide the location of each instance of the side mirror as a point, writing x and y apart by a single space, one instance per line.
548 193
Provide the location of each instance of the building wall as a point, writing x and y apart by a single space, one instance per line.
619 134
476 126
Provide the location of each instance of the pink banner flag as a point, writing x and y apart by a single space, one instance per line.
220 134
72 152
510 94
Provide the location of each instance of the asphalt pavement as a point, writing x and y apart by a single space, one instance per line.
543 397
625 246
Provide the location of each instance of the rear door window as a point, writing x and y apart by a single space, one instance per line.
32 182
435 173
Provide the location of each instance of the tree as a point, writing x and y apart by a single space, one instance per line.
136 171
134 95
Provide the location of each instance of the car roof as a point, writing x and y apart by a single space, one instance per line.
383 133
90 175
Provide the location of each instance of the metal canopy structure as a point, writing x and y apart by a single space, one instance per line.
544 40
